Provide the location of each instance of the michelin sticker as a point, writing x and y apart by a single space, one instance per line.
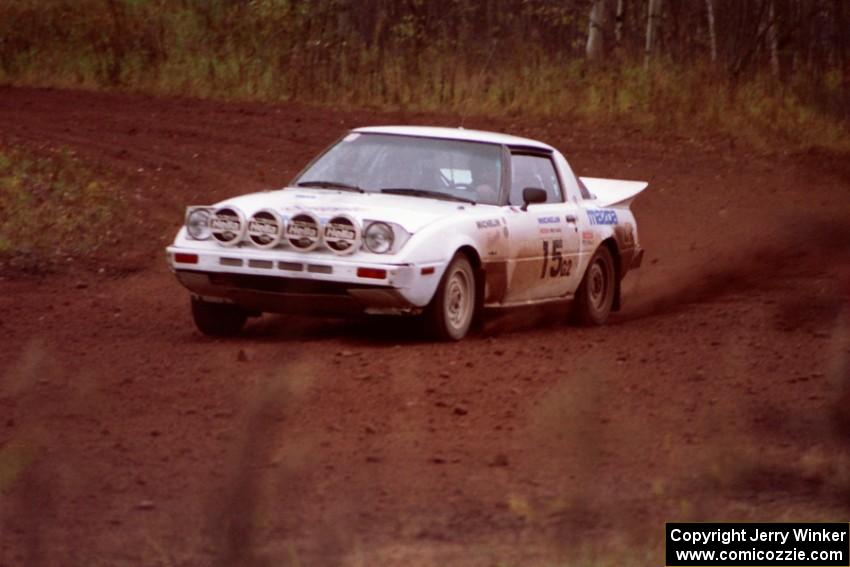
548 220
489 223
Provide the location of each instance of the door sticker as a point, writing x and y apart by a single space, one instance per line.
602 216
554 263
546 225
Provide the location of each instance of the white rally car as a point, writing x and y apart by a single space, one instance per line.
434 222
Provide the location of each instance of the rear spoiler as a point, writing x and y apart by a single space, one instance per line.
613 192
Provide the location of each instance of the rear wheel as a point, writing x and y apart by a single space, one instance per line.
451 311
218 319
595 296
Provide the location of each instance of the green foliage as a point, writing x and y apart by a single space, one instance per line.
485 58
14 460
52 205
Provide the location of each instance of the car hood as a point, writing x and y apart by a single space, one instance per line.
412 213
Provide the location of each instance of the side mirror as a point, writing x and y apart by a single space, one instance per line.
531 195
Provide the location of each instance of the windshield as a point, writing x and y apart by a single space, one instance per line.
406 165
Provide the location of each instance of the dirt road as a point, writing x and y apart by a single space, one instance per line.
127 438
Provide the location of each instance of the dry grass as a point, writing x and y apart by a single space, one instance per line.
53 205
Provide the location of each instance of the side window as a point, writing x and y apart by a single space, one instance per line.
585 193
534 171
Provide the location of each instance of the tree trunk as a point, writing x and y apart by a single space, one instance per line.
618 25
841 44
653 26
596 31
843 59
773 39
712 34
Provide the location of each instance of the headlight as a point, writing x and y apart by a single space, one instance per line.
378 237
198 223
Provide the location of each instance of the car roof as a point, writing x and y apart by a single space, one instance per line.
455 134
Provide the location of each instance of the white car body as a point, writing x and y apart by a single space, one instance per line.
520 257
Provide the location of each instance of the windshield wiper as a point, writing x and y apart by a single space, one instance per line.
330 185
425 193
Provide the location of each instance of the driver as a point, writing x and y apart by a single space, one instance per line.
426 173
485 180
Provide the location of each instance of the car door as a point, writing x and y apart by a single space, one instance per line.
544 238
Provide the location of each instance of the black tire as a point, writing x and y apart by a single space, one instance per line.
218 319
452 310
595 296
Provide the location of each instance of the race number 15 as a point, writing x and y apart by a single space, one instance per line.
554 264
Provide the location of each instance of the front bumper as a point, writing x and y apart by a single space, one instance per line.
303 283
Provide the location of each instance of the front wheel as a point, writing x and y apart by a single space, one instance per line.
218 319
595 296
451 311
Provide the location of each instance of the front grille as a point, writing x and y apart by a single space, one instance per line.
265 264
291 266
283 285
318 269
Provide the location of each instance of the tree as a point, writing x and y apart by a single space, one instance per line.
653 27
618 22
773 38
712 34
596 31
